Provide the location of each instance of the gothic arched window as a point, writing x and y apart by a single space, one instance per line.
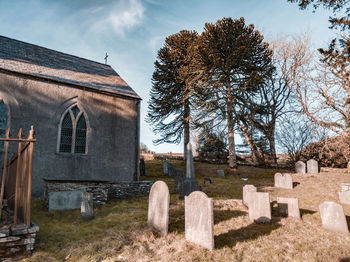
73 131
3 119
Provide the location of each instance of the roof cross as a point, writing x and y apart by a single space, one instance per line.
106 58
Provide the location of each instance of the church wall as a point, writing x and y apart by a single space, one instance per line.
112 130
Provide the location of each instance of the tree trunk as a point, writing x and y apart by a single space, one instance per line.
186 126
232 161
271 138
255 151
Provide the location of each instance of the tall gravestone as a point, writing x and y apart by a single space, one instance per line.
179 180
259 207
166 167
300 167
312 166
87 205
199 220
170 170
288 207
190 183
333 217
283 181
344 194
158 207
247 189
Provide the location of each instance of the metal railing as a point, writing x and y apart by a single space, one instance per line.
17 185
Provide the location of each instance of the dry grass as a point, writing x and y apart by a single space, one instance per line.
119 231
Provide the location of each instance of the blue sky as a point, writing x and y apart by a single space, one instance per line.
132 31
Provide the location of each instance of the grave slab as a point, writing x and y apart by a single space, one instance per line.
259 207
312 166
333 217
283 181
65 200
300 167
288 207
246 196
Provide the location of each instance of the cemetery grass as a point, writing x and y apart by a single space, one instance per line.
119 230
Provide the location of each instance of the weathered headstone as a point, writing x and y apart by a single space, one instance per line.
259 207
312 166
345 187
247 189
170 170
158 207
207 181
221 173
190 183
300 167
142 167
65 200
166 167
344 197
87 205
199 220
288 207
179 180
283 181
333 217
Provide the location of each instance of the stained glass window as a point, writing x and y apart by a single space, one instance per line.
80 135
66 134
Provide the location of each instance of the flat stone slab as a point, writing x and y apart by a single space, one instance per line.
87 206
333 217
246 196
312 166
283 181
158 207
344 197
288 207
259 207
221 173
199 219
300 167
65 200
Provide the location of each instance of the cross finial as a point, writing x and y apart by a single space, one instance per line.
106 58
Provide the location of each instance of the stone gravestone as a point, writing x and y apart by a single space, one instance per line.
65 200
170 170
142 167
288 207
199 220
158 207
259 207
179 180
190 183
221 173
333 218
246 193
300 167
345 187
166 167
87 205
312 166
283 181
344 197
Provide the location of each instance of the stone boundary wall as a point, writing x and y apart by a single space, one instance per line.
101 190
17 243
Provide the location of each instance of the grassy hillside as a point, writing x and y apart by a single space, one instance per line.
119 231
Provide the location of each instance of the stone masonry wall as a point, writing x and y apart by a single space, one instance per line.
102 191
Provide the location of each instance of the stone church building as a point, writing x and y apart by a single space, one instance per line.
86 117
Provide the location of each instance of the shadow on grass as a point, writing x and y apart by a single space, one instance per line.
295 184
345 259
306 212
223 215
253 231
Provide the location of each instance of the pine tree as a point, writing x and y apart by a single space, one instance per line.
169 109
233 60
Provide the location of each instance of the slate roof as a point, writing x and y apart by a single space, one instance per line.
37 61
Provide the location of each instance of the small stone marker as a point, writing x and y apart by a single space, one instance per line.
345 187
300 167
170 170
312 166
259 207
199 219
246 193
207 181
179 180
166 167
221 173
288 207
158 207
283 181
344 197
333 218
87 205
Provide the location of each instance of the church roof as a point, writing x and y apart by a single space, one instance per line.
37 61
